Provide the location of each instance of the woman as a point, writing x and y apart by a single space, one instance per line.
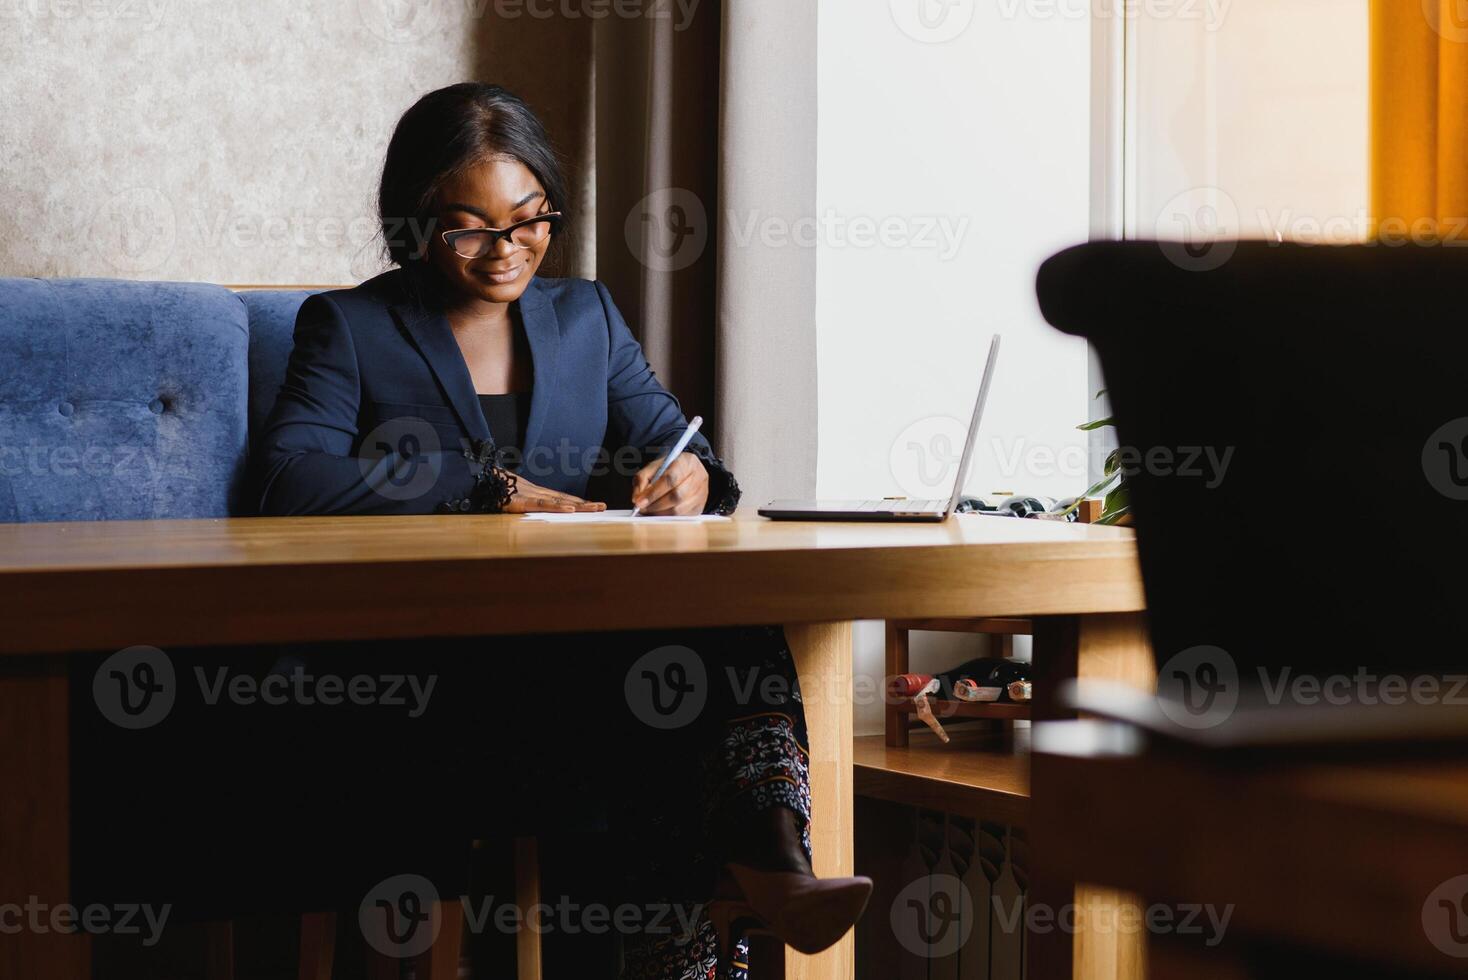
463 382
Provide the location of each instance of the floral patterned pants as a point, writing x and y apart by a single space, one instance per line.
746 752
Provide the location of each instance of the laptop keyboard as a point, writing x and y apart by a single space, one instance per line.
889 506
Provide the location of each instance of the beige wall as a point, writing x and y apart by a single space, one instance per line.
236 142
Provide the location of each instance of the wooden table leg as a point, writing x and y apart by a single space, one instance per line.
219 950
823 655
35 823
442 959
317 951
1110 647
527 896
899 658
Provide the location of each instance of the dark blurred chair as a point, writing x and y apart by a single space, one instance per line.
1323 535
1330 380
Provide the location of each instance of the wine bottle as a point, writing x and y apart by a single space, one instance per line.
985 680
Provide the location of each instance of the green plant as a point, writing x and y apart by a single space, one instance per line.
1116 505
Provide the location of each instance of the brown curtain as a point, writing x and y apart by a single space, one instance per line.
767 289
670 122
1419 109
632 103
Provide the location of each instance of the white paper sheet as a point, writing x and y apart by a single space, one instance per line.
622 517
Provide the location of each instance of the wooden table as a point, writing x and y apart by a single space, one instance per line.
103 586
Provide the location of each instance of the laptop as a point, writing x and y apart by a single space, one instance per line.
894 508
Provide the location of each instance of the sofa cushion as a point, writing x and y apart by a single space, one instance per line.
272 316
120 400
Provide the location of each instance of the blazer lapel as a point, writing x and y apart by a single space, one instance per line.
543 330
431 333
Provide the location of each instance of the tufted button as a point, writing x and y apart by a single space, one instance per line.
157 405
66 409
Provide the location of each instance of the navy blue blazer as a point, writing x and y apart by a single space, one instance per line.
378 414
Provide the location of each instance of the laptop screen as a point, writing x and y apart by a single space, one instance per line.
973 427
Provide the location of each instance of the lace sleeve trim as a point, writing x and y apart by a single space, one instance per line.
724 491
494 484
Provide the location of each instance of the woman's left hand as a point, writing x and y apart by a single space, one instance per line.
684 489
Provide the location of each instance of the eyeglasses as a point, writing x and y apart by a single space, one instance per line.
476 243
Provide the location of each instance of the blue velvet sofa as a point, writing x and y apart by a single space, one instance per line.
130 400
136 400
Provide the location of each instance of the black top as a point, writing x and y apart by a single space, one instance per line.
507 416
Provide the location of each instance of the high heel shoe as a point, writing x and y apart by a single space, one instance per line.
801 910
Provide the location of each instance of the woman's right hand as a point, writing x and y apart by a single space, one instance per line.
531 498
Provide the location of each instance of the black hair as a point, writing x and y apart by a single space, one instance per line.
444 133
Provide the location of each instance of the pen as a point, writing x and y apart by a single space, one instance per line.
677 451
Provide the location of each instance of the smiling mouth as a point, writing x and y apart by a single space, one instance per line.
504 276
